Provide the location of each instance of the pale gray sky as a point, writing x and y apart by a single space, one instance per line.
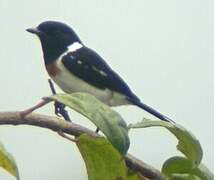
163 49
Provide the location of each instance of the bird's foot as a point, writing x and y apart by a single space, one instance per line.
60 111
59 107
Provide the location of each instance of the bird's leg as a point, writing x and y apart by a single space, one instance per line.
59 107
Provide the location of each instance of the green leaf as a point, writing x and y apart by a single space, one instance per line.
7 162
105 118
102 160
176 165
203 172
181 166
187 143
184 177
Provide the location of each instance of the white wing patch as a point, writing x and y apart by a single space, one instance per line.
79 62
75 46
99 71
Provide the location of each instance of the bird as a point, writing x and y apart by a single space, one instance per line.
75 67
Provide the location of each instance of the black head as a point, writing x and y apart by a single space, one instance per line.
55 37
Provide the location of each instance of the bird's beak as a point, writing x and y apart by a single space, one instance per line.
34 31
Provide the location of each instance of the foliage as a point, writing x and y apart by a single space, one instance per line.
176 167
187 143
101 157
106 119
7 162
104 156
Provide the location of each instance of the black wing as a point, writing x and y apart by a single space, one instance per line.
87 65
90 67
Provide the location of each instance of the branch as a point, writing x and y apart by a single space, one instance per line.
56 124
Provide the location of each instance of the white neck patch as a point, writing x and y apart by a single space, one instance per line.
75 46
71 48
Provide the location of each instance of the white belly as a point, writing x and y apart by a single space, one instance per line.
70 84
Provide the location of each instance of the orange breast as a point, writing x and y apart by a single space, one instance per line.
52 69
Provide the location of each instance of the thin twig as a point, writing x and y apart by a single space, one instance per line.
66 136
33 108
56 124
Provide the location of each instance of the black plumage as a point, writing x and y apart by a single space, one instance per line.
87 65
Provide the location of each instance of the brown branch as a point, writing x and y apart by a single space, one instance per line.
59 125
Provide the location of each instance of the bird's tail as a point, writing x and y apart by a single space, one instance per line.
152 111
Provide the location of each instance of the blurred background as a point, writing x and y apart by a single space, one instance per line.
163 49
